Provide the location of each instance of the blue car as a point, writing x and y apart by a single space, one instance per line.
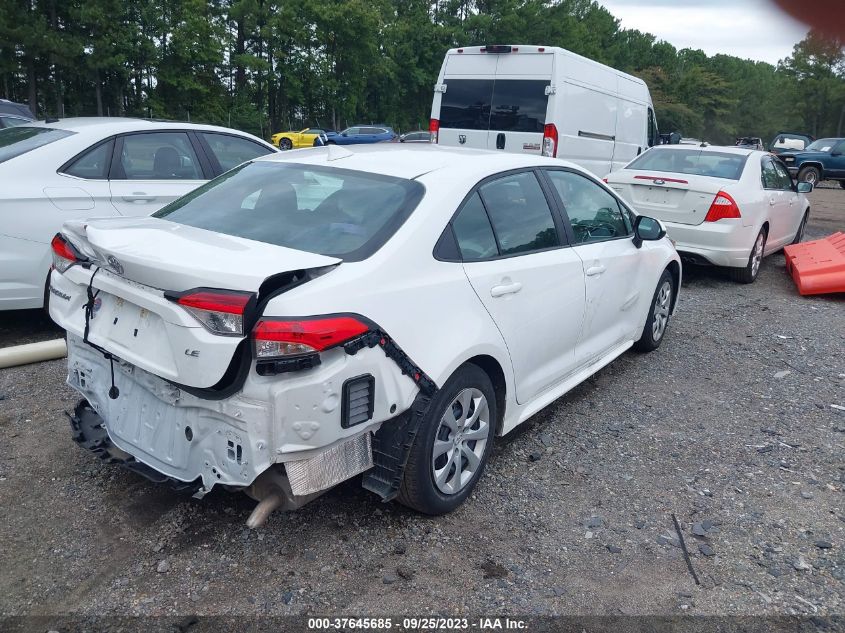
823 159
358 134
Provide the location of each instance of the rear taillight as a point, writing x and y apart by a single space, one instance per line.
722 207
278 338
550 140
63 254
434 129
219 311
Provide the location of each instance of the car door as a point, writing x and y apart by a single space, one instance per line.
777 200
227 151
836 162
602 231
151 169
793 209
532 284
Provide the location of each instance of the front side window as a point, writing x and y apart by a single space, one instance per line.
19 140
352 131
473 231
783 176
769 175
159 156
519 213
231 151
594 214
93 164
342 213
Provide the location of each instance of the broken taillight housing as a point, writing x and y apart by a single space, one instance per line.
279 338
219 311
63 253
722 207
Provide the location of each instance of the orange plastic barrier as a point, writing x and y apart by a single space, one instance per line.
817 267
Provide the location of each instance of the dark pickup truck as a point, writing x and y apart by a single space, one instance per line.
823 159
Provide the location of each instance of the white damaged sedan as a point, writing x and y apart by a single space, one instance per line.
310 316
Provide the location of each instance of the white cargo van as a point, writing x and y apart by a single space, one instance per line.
542 100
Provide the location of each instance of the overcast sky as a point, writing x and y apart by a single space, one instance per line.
753 29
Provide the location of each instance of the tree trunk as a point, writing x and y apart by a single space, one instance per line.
240 73
31 85
98 91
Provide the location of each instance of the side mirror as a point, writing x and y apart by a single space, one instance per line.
647 229
805 187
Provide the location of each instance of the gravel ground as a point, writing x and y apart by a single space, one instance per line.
729 426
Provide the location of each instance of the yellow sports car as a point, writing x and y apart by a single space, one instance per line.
297 140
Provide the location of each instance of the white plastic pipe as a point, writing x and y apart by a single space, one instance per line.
32 353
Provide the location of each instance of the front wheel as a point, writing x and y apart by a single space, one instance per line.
658 315
453 443
748 274
809 174
285 144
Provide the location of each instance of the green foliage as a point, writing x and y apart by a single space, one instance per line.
264 65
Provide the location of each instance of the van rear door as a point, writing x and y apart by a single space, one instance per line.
495 101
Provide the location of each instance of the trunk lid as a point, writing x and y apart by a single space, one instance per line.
142 258
680 198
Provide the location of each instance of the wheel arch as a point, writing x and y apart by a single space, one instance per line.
812 163
494 371
674 269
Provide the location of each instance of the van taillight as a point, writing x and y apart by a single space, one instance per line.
434 129
277 338
550 140
219 311
722 207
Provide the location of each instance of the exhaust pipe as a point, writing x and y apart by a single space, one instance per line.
272 491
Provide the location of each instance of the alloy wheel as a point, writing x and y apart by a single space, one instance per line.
460 440
662 306
757 255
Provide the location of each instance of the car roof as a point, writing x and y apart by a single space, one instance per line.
115 125
411 161
721 149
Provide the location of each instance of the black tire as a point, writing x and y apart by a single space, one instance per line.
660 307
810 174
285 144
419 489
749 273
799 234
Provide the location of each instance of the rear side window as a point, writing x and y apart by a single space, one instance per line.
19 140
508 105
692 163
159 156
520 215
231 151
473 231
594 214
337 212
93 164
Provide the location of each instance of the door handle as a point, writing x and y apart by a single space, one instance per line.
592 271
139 197
771 202
500 140
505 289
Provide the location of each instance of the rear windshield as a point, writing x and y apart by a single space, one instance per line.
692 163
15 141
507 105
338 212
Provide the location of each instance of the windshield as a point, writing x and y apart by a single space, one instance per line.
15 141
822 145
336 212
692 163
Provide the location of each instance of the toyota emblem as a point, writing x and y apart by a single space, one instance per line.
115 265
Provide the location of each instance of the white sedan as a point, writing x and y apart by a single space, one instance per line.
94 167
721 206
313 315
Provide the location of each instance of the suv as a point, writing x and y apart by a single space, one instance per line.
358 134
823 159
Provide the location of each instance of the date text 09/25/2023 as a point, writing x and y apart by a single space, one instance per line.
417 624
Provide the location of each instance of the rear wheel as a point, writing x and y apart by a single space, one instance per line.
809 174
453 443
658 315
748 274
285 144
